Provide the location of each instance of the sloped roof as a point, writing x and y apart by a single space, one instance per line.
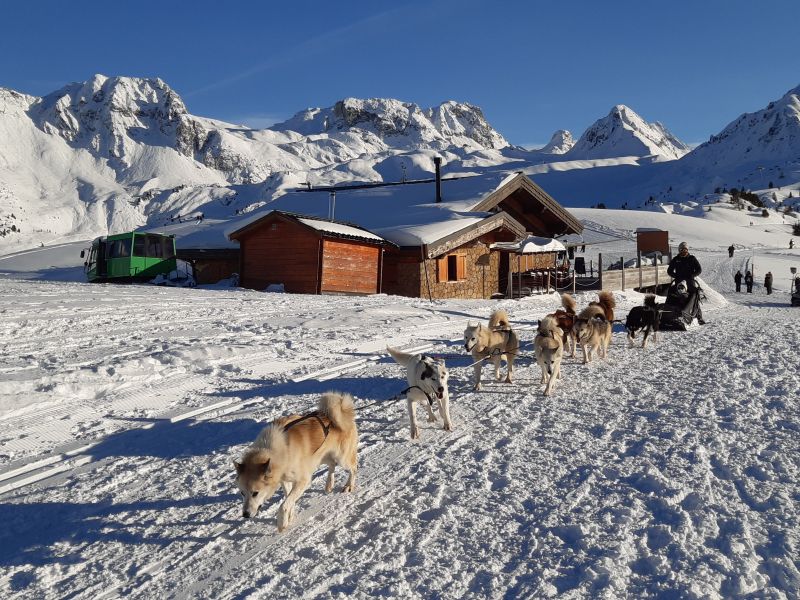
326 227
408 214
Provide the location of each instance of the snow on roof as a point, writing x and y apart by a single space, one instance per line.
406 214
339 229
531 245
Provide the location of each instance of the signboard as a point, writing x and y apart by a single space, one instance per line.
652 241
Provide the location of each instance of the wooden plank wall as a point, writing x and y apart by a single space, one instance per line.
349 267
287 254
612 280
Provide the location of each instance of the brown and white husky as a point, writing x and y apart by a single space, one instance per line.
287 452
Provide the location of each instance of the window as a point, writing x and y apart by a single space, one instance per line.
153 246
452 267
119 249
139 245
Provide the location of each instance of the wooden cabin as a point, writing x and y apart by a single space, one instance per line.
309 255
210 265
443 228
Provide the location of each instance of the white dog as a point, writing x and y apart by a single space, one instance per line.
549 349
427 379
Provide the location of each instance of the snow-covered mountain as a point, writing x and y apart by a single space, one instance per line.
392 123
769 136
560 143
115 153
624 133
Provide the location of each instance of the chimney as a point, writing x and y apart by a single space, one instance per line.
332 206
437 161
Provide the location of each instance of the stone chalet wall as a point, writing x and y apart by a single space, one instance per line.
482 273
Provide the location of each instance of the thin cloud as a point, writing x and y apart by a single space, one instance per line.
307 48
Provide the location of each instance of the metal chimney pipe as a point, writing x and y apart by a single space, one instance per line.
332 206
437 161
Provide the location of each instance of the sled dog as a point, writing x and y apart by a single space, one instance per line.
494 342
566 321
593 333
287 452
644 318
549 348
427 379
605 300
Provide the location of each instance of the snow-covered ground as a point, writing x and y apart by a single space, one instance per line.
672 472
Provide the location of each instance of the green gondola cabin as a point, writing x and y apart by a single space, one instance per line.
132 256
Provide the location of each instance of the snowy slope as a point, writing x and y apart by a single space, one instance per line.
669 472
624 133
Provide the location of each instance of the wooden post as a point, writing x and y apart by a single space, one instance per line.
600 269
656 267
547 290
510 276
622 268
519 277
639 261
573 282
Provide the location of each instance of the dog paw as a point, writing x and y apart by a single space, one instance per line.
448 427
477 387
414 434
431 419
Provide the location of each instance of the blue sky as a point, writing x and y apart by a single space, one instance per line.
533 67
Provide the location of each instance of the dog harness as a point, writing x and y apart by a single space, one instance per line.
314 415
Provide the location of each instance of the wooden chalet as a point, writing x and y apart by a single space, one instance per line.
309 255
443 229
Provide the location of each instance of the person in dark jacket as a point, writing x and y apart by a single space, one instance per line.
738 279
730 250
685 267
748 281
768 282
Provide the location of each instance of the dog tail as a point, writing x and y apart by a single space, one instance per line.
606 300
499 320
400 357
569 304
650 300
340 409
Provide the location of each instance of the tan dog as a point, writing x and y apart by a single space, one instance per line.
593 333
287 452
548 347
427 379
495 342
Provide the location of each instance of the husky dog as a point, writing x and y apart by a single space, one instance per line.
494 342
605 300
427 378
593 333
548 349
566 320
287 452
643 318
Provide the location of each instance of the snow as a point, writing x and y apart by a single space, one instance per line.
532 245
340 229
667 472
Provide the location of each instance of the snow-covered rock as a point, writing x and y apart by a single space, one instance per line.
560 143
392 123
624 133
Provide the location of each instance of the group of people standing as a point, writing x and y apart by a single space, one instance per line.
748 281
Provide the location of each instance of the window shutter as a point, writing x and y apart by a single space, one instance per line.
461 267
441 269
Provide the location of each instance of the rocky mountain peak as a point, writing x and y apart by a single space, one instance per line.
560 143
625 133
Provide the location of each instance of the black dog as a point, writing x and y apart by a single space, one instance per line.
647 318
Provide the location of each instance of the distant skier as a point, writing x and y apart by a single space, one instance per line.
738 279
730 250
791 244
748 281
768 282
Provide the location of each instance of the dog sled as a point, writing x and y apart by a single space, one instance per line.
681 307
